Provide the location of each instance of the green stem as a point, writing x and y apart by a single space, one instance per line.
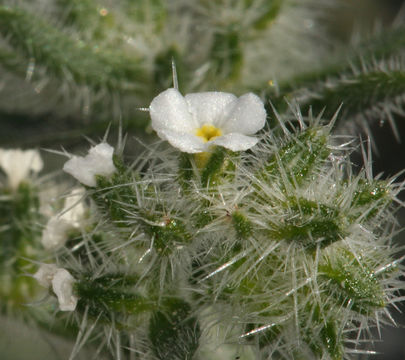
61 54
358 92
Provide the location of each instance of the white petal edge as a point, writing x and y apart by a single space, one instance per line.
185 142
235 141
62 285
45 274
97 162
55 233
209 107
247 116
169 111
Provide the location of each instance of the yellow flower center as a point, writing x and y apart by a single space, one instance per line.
208 132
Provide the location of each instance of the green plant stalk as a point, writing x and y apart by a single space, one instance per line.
61 55
358 93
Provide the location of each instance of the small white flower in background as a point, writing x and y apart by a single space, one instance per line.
97 162
72 216
194 122
45 274
74 210
55 233
62 285
18 164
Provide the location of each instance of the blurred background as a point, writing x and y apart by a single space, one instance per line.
52 95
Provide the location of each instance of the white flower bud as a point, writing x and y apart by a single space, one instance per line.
17 164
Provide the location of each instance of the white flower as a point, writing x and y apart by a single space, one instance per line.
17 164
97 162
62 285
72 216
196 121
45 274
74 211
55 233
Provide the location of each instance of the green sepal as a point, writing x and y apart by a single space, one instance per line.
116 194
352 283
216 165
204 216
299 157
167 235
173 331
310 233
309 223
324 335
371 196
309 207
112 296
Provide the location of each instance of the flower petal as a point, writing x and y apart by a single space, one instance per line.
246 117
169 111
209 107
97 162
62 285
55 233
235 141
185 142
45 274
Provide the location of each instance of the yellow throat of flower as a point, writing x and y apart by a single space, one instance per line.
208 132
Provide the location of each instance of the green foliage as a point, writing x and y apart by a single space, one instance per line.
298 157
61 54
19 214
174 331
352 283
112 297
280 252
243 226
